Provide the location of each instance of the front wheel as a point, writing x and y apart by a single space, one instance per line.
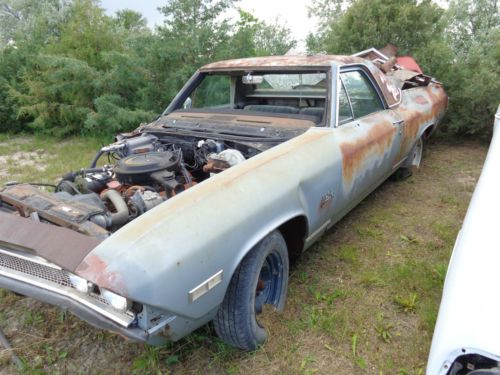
260 279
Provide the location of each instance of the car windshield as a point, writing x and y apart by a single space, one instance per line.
282 94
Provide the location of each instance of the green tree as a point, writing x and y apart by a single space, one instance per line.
459 46
408 24
253 37
131 21
192 34
273 39
473 77
87 33
26 26
472 23
90 79
59 94
31 21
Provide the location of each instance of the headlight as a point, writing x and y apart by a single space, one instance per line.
79 283
118 302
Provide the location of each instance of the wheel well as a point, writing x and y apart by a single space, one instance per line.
427 132
294 232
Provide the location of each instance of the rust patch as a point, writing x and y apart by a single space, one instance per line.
95 269
61 246
215 166
377 140
435 100
420 99
279 62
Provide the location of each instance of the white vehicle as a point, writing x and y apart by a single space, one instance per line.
467 334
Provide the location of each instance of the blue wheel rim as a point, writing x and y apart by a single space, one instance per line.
270 281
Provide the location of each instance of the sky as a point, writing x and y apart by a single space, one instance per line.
291 13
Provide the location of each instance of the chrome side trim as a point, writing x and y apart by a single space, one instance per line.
318 231
205 286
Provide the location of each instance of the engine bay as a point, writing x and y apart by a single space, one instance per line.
142 171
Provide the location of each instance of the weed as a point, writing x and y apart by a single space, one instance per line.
408 303
359 361
354 344
328 298
348 254
371 278
445 232
302 277
148 362
370 231
308 359
33 318
408 239
428 314
440 270
384 332
172 360
448 199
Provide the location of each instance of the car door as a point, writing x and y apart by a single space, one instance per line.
368 135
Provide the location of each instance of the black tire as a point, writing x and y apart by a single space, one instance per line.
261 278
413 162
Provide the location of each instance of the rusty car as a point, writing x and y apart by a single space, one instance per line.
465 339
195 217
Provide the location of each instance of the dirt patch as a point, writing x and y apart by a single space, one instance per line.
21 160
362 301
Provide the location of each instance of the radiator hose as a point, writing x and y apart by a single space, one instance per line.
121 215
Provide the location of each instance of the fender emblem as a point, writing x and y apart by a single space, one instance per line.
326 199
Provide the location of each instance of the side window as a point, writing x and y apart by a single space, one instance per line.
364 99
345 113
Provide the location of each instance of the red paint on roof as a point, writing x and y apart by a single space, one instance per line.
409 63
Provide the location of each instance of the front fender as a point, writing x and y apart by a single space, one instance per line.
161 256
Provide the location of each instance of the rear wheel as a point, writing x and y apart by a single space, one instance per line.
416 153
260 279
412 163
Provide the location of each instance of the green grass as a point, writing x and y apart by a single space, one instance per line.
362 300
44 159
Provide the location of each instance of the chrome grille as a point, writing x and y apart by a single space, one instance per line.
38 272
56 276
45 272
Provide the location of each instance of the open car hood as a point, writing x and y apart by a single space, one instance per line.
61 246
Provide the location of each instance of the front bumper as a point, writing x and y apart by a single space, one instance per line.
34 277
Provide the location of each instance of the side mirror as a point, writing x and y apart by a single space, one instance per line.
188 103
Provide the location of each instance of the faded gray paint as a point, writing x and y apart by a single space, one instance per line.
162 255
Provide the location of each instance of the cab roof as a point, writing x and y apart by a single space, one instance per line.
274 62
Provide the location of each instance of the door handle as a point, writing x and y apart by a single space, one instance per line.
398 122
